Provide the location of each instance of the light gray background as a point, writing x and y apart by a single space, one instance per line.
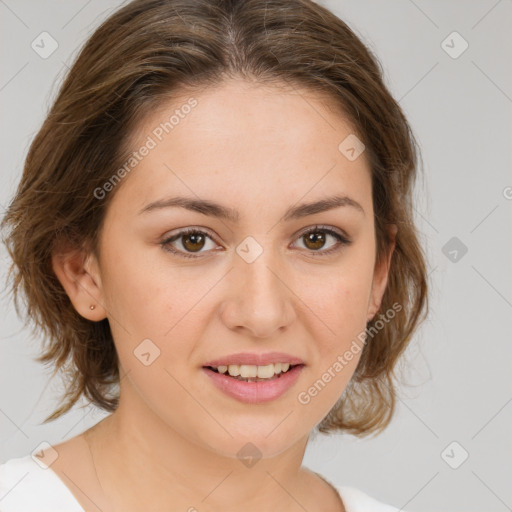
459 365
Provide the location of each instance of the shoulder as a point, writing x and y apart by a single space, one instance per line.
355 500
32 487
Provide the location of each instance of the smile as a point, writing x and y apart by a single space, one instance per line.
254 384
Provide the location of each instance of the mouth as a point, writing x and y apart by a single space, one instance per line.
252 373
254 384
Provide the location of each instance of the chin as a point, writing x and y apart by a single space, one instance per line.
260 440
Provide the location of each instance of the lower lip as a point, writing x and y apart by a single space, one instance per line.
255 392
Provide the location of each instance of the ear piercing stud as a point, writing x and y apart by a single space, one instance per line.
91 307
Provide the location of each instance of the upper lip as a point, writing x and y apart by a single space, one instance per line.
255 359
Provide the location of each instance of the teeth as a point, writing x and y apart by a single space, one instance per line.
265 372
247 371
233 369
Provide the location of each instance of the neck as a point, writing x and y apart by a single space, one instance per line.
156 467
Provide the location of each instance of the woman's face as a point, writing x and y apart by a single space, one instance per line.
262 279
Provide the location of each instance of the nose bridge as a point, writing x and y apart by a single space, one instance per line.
261 302
259 281
257 267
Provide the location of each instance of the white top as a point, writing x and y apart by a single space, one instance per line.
25 486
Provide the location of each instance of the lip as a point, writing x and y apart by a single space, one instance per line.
255 392
255 359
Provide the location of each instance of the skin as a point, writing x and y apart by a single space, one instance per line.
172 444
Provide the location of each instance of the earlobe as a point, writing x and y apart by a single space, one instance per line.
381 274
79 275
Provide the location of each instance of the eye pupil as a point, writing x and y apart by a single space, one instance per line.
317 238
194 238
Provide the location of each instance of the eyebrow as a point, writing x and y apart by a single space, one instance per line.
213 209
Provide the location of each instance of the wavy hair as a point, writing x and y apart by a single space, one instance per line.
136 60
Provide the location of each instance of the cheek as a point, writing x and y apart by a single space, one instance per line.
154 310
139 293
339 298
337 328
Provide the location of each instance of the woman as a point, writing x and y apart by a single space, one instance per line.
214 231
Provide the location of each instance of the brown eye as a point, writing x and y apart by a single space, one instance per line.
193 242
314 240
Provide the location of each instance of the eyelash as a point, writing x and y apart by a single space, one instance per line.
342 241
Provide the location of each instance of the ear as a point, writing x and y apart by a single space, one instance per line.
78 272
381 272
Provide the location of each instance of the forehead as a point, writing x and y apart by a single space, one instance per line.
244 141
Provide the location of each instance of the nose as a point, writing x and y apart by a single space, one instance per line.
258 298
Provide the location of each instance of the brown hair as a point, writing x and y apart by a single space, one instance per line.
137 59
